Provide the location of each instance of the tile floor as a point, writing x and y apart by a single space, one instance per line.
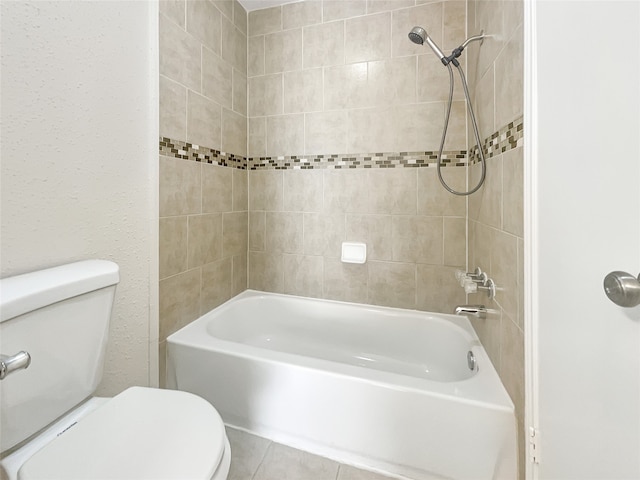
256 458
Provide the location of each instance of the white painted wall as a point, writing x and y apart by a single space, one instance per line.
586 222
79 162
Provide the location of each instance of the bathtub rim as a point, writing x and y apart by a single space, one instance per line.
483 389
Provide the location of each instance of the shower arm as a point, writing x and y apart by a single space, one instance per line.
458 51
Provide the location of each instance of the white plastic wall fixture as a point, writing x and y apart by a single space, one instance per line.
354 252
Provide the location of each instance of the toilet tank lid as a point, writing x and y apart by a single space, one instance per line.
27 292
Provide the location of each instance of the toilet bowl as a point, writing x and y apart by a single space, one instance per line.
51 425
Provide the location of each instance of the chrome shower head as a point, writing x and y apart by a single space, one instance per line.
419 36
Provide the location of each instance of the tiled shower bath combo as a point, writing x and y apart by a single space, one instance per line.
297 127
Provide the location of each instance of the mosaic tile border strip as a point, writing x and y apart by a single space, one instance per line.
359 160
190 151
507 138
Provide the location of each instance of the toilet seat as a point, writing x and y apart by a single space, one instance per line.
142 433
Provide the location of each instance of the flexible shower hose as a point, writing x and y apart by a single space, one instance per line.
475 131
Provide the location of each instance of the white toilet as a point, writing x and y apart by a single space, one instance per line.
50 425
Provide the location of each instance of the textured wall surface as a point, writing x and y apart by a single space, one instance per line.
78 157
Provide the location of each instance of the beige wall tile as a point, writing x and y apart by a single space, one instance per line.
303 190
240 93
368 38
433 199
234 233
257 231
179 301
454 23
433 80
303 91
339 9
509 84
347 86
180 187
255 60
375 231
225 6
266 271
455 244
265 95
285 135
173 109
283 232
216 284
234 132
427 16
479 246
257 143
179 55
438 289
457 130
418 239
377 83
303 275
300 14
173 245
512 363
265 190
484 105
486 204
392 191
216 78
173 9
162 364
205 239
513 196
504 271
392 81
323 234
234 46
374 6
325 132
240 182
204 119
345 191
392 284
266 20
239 272
323 45
203 22
392 129
240 17
283 51
512 17
216 188
345 282
488 17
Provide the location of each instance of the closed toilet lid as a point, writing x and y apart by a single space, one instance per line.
143 433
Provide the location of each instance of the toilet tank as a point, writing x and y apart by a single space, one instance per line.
60 316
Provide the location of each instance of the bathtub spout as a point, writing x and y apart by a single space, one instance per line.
479 311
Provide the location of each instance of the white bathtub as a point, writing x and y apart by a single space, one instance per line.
381 388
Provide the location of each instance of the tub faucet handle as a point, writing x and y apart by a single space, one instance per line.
479 311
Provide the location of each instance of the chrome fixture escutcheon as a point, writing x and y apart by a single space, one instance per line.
623 289
471 360
9 364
